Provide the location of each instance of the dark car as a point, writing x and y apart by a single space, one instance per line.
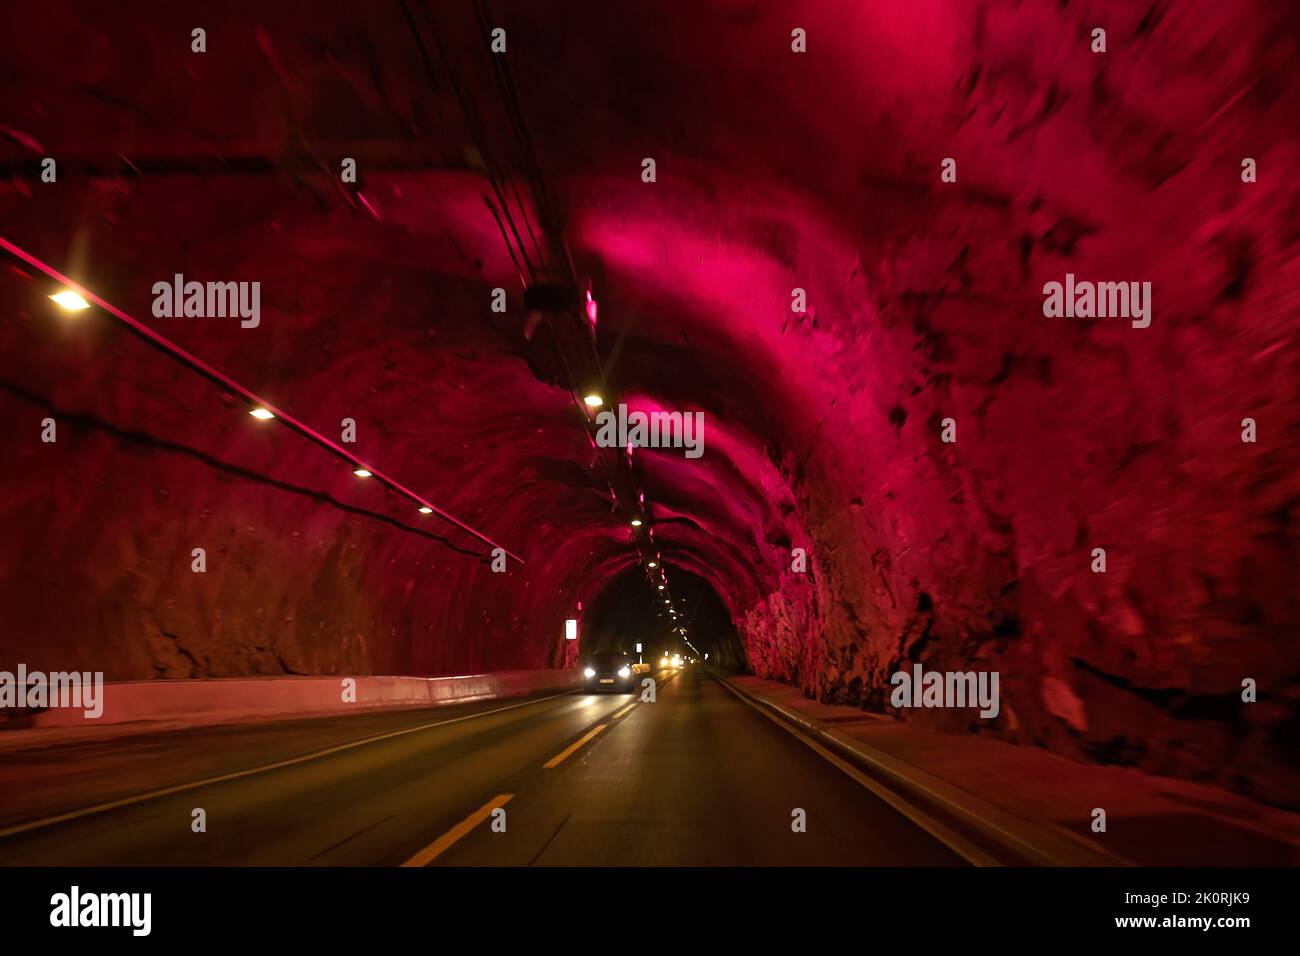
606 671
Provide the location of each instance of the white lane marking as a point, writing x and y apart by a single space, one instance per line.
208 781
960 846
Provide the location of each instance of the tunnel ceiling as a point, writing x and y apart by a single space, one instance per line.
775 171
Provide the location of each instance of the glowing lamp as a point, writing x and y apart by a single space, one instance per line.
70 301
262 415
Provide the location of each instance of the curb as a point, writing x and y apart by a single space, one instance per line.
1003 837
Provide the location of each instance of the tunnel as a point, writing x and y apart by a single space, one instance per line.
431 348
631 617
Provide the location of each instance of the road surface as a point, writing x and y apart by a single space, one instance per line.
696 778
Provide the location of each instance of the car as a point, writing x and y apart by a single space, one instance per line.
609 671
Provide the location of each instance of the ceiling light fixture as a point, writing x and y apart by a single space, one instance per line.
262 415
70 301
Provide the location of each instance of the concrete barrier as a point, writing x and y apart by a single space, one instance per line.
269 698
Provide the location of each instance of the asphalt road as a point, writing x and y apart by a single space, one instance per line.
697 778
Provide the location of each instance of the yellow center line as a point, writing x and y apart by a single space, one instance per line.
444 842
623 711
238 774
568 751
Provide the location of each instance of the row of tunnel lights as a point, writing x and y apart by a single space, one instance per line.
265 415
72 301
594 400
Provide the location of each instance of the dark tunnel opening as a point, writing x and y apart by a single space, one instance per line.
632 610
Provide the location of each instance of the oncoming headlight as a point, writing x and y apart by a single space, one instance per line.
588 673
625 672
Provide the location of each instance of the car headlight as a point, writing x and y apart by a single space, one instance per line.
625 672
588 673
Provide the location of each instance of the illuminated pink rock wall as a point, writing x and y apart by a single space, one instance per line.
925 303
775 171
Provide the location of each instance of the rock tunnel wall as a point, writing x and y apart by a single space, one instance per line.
776 171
